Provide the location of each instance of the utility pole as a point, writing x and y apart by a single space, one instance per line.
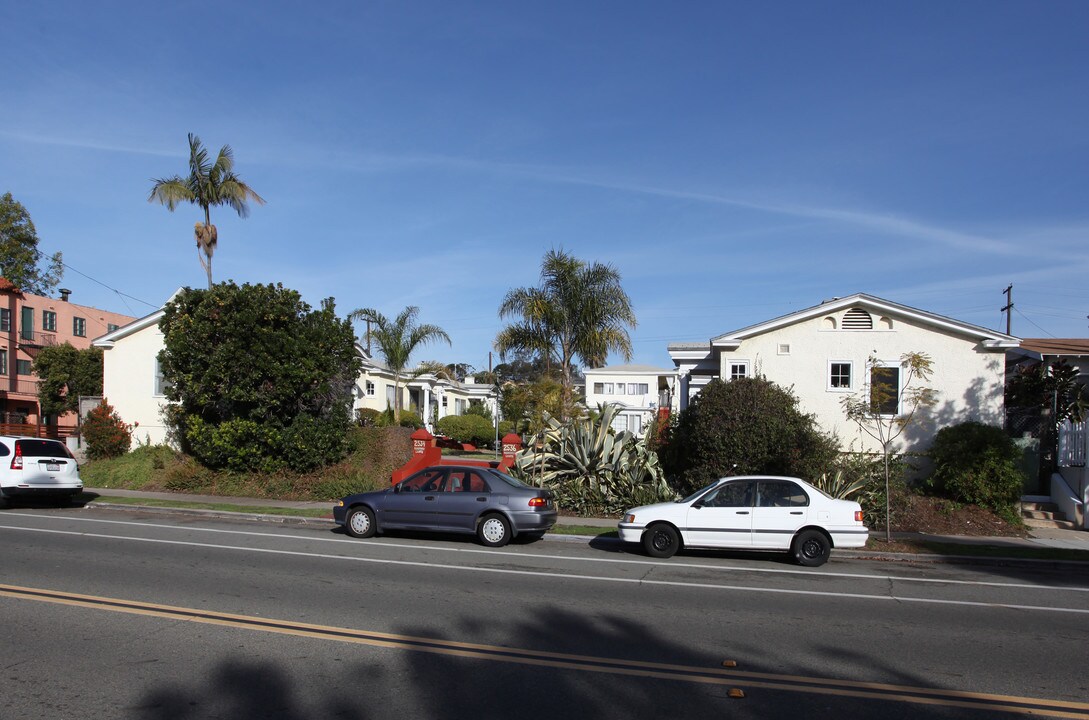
1008 292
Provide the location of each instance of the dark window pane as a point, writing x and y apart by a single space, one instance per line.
885 390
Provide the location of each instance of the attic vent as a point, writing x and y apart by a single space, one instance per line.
857 319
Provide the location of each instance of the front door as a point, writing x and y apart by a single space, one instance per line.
414 502
722 517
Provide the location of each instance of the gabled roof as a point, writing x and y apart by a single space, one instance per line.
989 338
107 341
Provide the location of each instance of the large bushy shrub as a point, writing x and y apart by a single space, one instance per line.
260 381
473 429
978 464
105 433
745 426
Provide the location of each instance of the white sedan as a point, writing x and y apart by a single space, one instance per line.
749 513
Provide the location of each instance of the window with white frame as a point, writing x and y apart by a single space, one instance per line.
739 369
620 389
391 396
840 374
885 389
161 385
599 388
371 390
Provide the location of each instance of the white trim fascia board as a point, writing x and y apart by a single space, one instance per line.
627 370
107 341
870 302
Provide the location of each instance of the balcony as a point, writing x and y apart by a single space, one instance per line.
30 340
14 386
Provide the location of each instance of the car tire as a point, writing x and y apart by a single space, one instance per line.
493 530
811 548
360 522
661 541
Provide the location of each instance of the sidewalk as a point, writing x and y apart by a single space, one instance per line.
1038 537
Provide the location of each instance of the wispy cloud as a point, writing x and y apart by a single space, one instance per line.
83 144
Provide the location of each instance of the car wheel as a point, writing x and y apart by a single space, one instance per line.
661 541
811 548
493 531
360 523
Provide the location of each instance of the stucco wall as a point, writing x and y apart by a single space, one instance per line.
967 378
129 383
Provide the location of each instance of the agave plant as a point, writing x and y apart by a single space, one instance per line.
839 485
592 468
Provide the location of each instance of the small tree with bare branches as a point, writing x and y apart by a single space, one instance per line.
889 403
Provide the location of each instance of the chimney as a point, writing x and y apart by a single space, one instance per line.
65 292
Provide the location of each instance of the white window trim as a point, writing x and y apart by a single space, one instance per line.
370 388
730 369
828 377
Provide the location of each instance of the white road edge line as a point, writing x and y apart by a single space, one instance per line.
569 576
494 553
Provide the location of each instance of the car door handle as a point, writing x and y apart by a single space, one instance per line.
429 497
742 512
482 499
796 512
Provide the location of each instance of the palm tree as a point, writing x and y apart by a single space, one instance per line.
579 310
396 342
209 183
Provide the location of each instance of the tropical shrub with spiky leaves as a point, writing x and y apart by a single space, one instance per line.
591 468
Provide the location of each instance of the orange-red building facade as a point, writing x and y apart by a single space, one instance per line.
29 323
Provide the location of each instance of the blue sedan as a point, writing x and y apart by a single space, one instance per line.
451 498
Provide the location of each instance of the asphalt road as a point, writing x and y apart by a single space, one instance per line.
132 614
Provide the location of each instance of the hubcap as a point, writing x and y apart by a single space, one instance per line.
812 549
493 530
661 540
360 522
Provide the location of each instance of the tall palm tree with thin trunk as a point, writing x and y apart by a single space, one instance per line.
397 339
580 310
209 183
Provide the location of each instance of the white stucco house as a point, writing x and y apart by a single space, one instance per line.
641 391
430 396
823 353
133 384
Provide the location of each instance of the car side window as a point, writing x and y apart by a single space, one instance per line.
475 483
429 480
455 481
731 494
780 493
4 451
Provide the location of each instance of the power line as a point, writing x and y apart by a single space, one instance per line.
1026 317
117 292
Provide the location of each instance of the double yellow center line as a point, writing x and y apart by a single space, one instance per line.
586 663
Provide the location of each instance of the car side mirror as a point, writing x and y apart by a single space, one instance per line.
397 488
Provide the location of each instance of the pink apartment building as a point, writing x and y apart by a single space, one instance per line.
27 324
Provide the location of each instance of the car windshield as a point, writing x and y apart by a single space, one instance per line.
513 482
701 491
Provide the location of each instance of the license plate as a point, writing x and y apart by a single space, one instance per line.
52 467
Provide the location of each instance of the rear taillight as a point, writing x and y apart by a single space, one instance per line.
17 461
858 516
538 502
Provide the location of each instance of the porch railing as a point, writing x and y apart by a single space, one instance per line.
1072 444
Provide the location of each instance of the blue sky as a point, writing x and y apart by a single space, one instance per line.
734 161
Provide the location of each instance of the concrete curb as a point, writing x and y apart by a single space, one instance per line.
560 537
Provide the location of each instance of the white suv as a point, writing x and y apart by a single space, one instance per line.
37 467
